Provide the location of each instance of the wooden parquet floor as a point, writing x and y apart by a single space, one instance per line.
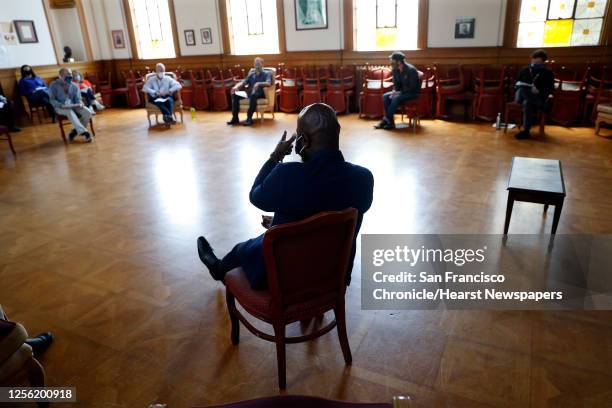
97 244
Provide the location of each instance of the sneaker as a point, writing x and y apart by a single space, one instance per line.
92 110
72 135
87 137
99 106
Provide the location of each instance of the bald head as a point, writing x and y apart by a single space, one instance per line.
319 126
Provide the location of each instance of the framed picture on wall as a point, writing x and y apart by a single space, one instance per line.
206 35
190 37
310 14
464 27
118 39
26 32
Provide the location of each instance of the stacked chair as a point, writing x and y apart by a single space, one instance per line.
376 82
340 89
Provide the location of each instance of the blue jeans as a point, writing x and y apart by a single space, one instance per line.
391 104
253 97
531 104
167 108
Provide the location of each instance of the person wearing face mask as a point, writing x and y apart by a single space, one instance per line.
65 96
35 90
322 181
160 88
534 84
406 87
87 93
257 79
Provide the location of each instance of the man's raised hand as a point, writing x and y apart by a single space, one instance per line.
283 148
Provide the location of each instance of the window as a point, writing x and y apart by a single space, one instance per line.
560 23
386 24
153 29
253 26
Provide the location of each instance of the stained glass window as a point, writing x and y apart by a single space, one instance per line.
560 23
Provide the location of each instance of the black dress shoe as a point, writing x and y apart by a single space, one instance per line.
72 135
381 125
232 122
247 122
40 343
14 129
208 258
523 134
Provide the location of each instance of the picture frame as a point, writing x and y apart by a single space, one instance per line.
464 28
190 37
206 34
26 31
310 14
118 39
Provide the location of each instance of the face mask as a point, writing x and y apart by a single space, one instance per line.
78 77
299 146
258 68
68 79
160 75
536 66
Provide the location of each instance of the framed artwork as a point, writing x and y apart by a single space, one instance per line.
26 32
464 27
7 34
310 14
190 37
206 35
118 39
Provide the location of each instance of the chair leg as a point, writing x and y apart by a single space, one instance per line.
231 306
91 125
597 126
341 327
63 133
10 142
279 335
149 119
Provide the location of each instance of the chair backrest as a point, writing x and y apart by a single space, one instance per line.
309 259
270 91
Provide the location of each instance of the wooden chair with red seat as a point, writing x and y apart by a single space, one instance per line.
104 86
313 87
306 264
489 86
376 82
452 85
187 80
5 131
598 91
221 87
201 99
130 90
302 401
570 88
428 92
289 90
340 89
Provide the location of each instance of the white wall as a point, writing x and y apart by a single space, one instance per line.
40 53
195 15
102 17
309 40
489 26
66 25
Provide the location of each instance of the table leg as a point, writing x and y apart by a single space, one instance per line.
558 208
508 212
545 207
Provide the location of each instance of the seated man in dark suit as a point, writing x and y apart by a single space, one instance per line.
406 87
323 181
533 85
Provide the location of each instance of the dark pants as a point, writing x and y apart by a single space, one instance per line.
531 104
41 97
249 256
167 108
7 116
392 104
259 93
88 96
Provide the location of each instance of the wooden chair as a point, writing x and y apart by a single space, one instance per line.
411 110
428 92
515 110
201 99
598 91
5 131
152 109
63 121
289 90
570 88
313 89
301 286
221 88
302 401
452 86
340 90
187 80
376 82
604 115
263 104
32 108
130 90
489 88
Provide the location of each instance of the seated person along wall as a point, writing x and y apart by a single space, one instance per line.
35 90
66 99
87 92
254 83
323 181
534 84
160 88
406 87
7 114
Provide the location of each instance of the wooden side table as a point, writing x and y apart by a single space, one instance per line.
536 181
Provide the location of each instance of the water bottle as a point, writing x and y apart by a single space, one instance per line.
192 110
498 121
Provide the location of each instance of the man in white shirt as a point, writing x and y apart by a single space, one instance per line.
160 88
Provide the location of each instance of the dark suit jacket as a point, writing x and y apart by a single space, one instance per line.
297 190
543 79
406 81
